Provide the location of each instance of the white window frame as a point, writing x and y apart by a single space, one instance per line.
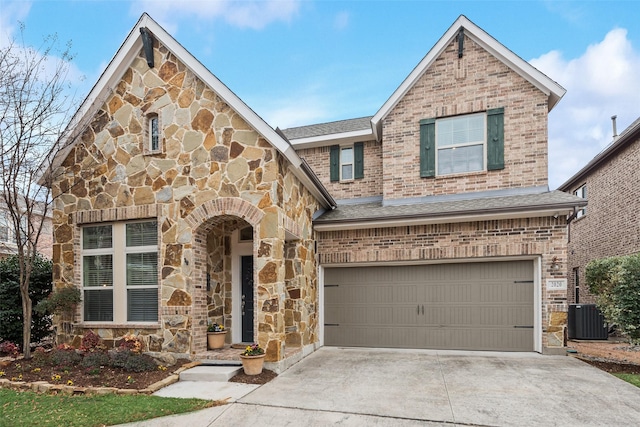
118 251
352 163
439 122
4 224
151 117
581 192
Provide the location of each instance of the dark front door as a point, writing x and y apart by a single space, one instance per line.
247 298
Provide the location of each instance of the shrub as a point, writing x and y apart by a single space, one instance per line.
131 343
616 283
65 357
9 349
95 359
11 302
132 362
90 342
60 301
40 357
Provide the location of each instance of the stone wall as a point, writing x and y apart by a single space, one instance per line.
451 86
211 173
544 237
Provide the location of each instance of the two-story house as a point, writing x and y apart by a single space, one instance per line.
8 232
610 224
428 225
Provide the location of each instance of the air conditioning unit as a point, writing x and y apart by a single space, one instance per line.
586 323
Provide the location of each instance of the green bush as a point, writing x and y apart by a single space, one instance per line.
95 359
65 358
616 283
132 362
11 302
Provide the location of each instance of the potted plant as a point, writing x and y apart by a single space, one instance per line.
252 359
216 335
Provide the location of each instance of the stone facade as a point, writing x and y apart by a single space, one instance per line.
474 83
212 174
611 225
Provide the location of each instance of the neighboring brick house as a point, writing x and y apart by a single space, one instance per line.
610 224
8 245
176 205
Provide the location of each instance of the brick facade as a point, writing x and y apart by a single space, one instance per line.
611 225
528 237
451 86
369 186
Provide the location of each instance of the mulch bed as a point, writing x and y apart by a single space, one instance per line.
612 367
28 371
261 378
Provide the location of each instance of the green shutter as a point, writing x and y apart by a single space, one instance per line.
428 148
495 139
358 160
334 163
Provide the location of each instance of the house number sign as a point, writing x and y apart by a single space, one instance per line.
556 284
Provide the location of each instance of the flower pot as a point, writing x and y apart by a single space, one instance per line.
216 339
252 365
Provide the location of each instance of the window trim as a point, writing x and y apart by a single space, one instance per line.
119 251
582 193
148 135
352 163
439 122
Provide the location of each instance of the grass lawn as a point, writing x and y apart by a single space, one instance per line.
25 408
630 378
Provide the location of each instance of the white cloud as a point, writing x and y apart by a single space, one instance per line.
602 82
254 14
341 21
12 13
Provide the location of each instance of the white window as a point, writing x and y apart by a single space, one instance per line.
346 163
581 192
4 227
154 133
120 272
460 143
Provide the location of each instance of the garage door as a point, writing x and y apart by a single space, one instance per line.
473 306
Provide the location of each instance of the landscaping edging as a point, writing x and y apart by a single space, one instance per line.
45 387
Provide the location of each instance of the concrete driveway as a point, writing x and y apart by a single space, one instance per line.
354 387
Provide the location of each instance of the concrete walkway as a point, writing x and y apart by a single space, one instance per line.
381 387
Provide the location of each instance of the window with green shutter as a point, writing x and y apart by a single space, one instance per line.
346 163
467 143
495 139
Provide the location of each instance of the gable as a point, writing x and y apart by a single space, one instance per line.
129 55
551 89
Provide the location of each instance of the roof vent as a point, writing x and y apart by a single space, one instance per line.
615 129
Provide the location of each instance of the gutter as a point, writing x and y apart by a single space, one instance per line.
446 217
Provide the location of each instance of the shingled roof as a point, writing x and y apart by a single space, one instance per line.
549 202
330 128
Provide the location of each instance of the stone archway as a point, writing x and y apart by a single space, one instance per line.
221 214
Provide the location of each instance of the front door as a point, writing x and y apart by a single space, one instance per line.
246 273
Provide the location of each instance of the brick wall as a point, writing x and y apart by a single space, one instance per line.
370 185
451 86
611 225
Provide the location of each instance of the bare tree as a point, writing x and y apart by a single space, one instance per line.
34 105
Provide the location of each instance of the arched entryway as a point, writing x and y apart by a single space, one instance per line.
224 270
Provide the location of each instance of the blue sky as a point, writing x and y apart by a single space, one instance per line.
298 62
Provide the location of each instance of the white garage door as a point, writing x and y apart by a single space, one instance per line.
473 306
